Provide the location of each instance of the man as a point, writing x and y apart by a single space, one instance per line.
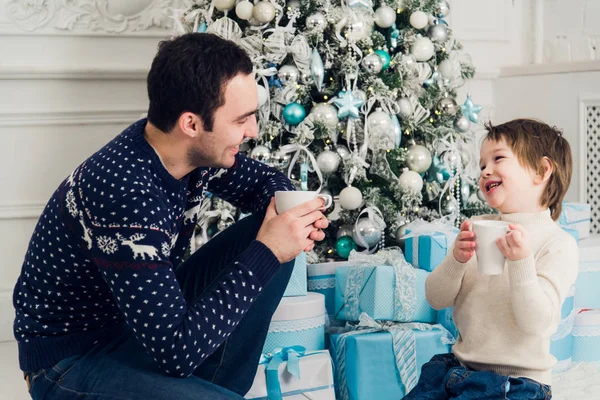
105 307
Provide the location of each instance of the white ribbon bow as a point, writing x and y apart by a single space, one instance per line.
375 216
297 149
277 50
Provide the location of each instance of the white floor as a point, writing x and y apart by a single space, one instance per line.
581 382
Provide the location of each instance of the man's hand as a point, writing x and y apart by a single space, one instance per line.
515 244
293 231
464 247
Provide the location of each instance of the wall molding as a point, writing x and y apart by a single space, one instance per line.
21 211
548 69
18 72
69 118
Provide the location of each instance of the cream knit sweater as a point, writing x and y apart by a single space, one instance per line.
505 321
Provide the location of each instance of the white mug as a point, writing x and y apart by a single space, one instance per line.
290 199
490 261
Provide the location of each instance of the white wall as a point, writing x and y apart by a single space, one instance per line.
72 76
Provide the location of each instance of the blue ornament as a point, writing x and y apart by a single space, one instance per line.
344 245
202 28
212 230
433 79
385 57
274 80
442 21
294 113
317 70
438 171
397 130
394 35
347 104
471 110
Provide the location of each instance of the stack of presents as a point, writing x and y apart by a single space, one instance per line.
362 329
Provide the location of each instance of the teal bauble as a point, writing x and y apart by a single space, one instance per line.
294 113
211 230
385 57
344 245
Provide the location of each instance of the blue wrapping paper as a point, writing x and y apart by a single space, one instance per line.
370 366
561 343
586 336
588 280
576 216
432 248
297 285
445 318
379 298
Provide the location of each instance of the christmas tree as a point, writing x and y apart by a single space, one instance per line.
357 99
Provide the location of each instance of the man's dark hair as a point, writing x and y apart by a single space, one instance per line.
188 74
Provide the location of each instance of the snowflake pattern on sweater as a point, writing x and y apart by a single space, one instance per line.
104 250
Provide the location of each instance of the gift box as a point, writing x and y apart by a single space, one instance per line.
561 343
384 292
297 284
384 365
445 318
293 374
298 320
576 216
427 251
588 281
586 336
321 279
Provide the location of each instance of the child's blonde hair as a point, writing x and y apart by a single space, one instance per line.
531 141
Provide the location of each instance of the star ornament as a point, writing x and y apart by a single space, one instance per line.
471 110
347 104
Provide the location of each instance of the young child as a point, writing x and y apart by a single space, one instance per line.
505 321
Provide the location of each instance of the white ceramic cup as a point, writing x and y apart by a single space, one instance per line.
286 200
490 261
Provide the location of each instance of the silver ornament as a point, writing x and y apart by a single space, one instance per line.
368 231
438 33
359 94
222 225
379 122
343 152
409 62
288 74
405 106
462 124
442 8
344 230
465 192
385 16
317 70
328 161
373 63
418 158
293 4
350 198
316 21
465 157
451 207
448 105
199 241
280 160
400 232
411 181
244 147
452 159
261 153
360 25
326 114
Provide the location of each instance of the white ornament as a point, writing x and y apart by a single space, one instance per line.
326 114
368 231
288 74
418 158
351 198
263 95
385 16
373 63
244 10
419 20
379 122
263 12
360 25
316 21
406 107
422 49
343 152
224 5
328 161
446 68
411 181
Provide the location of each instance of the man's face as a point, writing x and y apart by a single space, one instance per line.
234 121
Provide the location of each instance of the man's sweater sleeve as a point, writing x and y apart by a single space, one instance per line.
131 250
249 184
539 286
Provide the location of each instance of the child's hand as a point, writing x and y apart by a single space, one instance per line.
515 244
464 247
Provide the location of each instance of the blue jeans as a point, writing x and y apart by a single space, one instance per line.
443 377
123 370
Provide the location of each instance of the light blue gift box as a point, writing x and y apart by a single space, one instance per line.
576 216
561 343
586 336
587 294
428 250
321 279
373 290
370 369
298 321
297 285
446 319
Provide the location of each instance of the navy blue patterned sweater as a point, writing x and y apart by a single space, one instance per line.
102 258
